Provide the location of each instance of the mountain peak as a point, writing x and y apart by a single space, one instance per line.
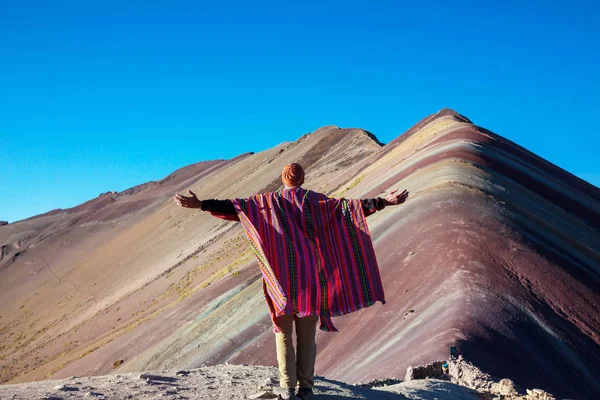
331 129
450 112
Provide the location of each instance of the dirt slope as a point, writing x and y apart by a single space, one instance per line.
496 252
80 287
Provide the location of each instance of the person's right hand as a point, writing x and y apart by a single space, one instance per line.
188 201
393 198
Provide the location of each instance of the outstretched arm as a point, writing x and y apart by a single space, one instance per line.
370 206
223 209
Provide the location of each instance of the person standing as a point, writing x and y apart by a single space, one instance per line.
317 261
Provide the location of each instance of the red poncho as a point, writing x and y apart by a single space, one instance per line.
315 253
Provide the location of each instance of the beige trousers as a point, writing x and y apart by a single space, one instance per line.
299 368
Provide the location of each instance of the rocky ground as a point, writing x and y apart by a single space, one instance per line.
218 382
462 381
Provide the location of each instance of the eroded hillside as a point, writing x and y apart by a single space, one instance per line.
496 252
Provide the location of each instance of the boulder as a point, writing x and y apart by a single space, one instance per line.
505 387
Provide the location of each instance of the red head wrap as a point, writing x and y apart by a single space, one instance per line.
292 175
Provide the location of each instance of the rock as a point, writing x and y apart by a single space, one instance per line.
263 395
93 394
159 378
3 223
183 372
505 387
409 375
431 370
65 388
466 374
265 384
539 394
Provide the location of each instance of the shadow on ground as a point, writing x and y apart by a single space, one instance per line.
429 389
328 389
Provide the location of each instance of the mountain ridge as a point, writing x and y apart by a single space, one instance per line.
496 253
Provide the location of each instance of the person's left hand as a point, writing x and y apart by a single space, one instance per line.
393 198
188 201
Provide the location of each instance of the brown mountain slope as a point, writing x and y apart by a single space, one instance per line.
73 281
496 252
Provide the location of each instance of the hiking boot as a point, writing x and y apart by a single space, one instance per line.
289 394
305 394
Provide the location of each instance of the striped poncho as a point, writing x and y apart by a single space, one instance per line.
315 253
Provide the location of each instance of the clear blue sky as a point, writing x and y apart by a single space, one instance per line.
104 95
